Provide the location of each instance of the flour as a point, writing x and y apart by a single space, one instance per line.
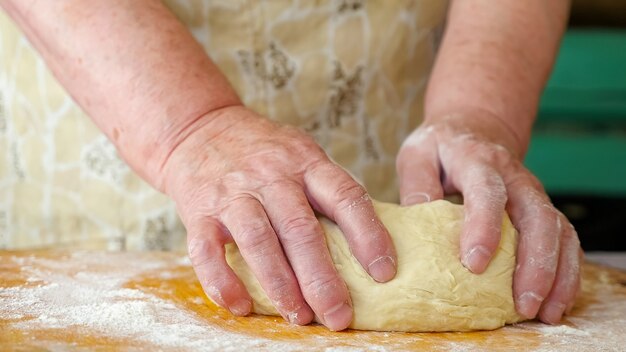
561 330
96 302
88 293
600 326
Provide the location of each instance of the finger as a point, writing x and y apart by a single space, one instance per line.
567 279
334 193
304 244
206 252
248 224
581 261
484 198
418 171
539 229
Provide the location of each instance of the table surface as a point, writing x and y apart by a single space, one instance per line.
53 300
613 259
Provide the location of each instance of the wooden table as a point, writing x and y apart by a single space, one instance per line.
151 301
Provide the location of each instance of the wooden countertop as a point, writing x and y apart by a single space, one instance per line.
54 300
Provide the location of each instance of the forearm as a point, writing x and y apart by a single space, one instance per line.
135 70
495 59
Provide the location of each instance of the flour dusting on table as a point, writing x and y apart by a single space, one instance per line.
90 293
97 302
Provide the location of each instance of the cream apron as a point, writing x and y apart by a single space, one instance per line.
350 72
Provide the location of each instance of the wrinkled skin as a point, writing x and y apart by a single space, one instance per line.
238 177
242 178
480 158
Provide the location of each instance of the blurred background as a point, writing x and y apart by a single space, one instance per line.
578 148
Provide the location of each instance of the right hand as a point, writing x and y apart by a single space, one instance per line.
240 177
475 154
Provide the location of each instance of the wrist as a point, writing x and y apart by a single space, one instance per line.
152 151
486 125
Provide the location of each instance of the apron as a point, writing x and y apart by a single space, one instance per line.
352 73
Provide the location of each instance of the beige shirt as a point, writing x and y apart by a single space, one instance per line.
350 72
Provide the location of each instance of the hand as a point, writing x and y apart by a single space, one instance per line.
240 177
480 158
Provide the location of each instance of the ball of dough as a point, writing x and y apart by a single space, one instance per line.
432 291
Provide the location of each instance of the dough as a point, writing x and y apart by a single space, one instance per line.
432 291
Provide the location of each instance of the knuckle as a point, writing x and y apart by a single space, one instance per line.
288 304
540 213
570 234
216 284
215 288
534 182
309 246
496 188
350 194
525 181
543 252
255 236
350 190
569 286
564 290
301 225
323 166
494 182
321 284
302 144
544 262
309 143
280 286
495 154
200 260
481 174
570 269
199 251
519 182
544 284
547 214
300 233
283 293
552 220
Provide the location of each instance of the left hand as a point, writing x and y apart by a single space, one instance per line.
480 157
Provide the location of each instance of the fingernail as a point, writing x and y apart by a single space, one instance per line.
292 318
300 316
241 307
338 317
477 259
415 198
528 304
382 269
553 312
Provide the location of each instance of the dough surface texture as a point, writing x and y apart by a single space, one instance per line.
432 291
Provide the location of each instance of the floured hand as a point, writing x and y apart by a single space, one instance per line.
243 178
480 158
